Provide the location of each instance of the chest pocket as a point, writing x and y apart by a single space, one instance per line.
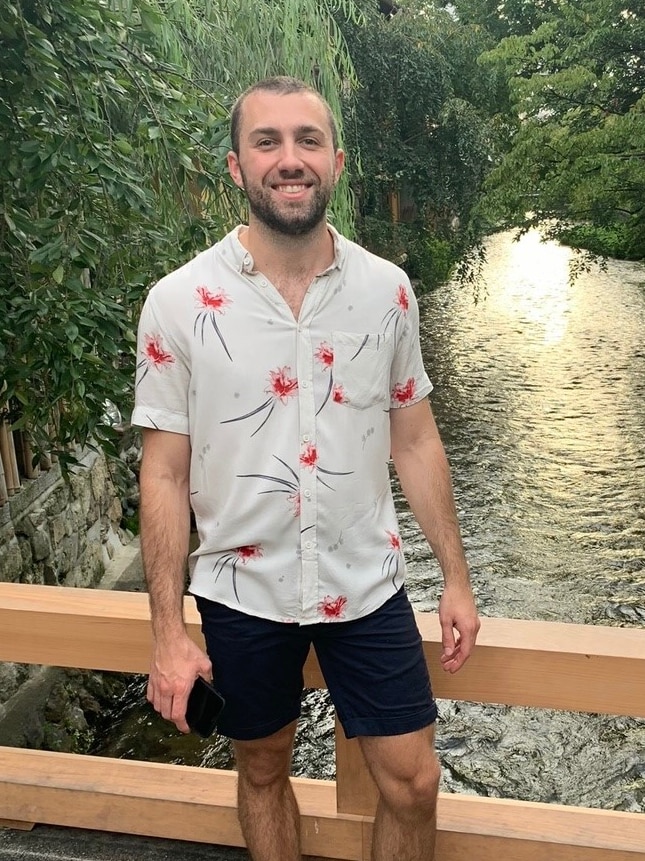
362 367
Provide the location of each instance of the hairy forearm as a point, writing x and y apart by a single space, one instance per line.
165 534
426 482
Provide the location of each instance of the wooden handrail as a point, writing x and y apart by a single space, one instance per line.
556 665
547 664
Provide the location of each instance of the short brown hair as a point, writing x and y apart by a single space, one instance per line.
282 86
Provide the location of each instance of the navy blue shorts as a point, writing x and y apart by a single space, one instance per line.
374 668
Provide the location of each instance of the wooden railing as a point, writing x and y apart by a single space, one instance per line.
543 664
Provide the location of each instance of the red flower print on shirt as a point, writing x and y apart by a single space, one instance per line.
281 387
338 395
400 310
296 503
212 301
233 558
248 551
332 608
391 563
154 355
210 304
402 298
404 393
325 355
395 540
309 457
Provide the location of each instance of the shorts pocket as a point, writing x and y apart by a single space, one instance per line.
362 367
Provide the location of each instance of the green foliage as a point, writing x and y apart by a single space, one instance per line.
418 126
577 153
101 147
427 259
114 121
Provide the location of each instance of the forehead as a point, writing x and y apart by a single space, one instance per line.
262 110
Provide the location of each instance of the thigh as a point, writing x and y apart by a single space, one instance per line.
257 667
376 671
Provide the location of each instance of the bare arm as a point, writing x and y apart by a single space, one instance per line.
423 471
165 532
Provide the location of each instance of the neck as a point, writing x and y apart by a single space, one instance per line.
288 255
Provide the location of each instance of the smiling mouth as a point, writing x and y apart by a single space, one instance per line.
292 188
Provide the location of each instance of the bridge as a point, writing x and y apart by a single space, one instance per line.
584 668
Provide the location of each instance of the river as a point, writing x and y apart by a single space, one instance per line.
540 398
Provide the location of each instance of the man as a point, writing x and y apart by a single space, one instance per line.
279 370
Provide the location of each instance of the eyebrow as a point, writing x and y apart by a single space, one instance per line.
299 130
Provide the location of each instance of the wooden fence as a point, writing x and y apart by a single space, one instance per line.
542 664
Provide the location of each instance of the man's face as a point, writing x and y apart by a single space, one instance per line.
286 161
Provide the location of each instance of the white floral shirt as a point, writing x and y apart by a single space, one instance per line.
289 426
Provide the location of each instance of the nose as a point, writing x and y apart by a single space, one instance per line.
290 159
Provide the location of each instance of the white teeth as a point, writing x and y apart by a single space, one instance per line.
291 189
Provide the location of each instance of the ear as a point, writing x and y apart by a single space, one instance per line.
233 164
339 163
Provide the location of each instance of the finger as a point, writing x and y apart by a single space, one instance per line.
449 656
467 638
178 713
447 638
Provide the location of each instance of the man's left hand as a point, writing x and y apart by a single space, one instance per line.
459 626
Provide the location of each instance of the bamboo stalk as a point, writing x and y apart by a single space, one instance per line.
4 494
31 470
15 474
8 459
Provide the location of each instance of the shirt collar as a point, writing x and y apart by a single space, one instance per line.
243 259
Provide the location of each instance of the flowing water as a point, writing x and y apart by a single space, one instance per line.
540 398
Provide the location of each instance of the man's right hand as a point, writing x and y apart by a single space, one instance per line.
174 667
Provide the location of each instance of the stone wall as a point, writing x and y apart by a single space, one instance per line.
64 533
60 532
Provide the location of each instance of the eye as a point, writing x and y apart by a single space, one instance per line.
265 143
310 142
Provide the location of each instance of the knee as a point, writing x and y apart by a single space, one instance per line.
414 793
263 764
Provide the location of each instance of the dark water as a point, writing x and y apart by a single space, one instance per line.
540 397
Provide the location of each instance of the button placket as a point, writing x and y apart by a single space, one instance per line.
307 473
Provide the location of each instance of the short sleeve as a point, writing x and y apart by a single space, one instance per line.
409 382
162 371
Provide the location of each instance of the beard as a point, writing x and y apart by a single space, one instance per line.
299 220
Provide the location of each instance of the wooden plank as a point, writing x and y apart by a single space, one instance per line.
187 803
587 668
543 664
356 792
155 799
16 825
545 824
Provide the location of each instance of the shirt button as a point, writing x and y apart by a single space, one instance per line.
308 545
307 493
305 384
264 283
306 437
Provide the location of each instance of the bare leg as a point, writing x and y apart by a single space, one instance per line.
267 807
406 771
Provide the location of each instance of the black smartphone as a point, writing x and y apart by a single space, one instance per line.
204 706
